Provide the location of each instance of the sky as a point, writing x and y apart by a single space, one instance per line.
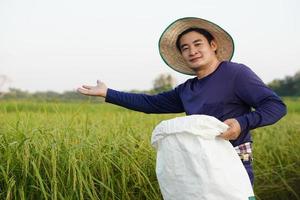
59 45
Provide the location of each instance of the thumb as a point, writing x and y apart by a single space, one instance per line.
229 122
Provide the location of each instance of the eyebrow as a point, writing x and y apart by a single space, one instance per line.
195 41
198 40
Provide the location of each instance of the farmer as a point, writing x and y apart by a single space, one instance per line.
229 91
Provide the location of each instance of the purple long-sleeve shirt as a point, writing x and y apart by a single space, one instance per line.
231 91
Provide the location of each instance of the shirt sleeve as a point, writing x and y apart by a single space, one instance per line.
268 107
166 102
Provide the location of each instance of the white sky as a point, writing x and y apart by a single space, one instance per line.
60 44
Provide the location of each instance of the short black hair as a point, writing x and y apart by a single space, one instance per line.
202 31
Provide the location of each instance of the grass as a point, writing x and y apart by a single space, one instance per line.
277 158
99 151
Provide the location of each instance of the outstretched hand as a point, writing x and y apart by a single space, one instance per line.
234 130
99 90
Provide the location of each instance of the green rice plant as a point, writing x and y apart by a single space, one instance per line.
277 158
100 151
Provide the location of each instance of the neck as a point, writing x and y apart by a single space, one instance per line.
207 69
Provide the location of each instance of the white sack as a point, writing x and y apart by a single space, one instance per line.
193 164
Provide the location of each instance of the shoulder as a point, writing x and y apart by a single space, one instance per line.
186 84
233 66
236 69
244 76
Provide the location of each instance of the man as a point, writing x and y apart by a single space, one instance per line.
229 91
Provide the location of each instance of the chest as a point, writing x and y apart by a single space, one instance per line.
210 98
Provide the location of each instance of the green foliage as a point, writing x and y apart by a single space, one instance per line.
277 159
100 151
48 96
15 93
75 151
162 83
289 86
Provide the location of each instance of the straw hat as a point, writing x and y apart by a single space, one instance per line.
171 55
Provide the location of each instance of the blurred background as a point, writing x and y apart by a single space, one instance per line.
61 44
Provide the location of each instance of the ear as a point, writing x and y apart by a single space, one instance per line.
213 45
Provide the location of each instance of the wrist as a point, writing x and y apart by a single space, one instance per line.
104 93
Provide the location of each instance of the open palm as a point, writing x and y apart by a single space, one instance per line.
99 90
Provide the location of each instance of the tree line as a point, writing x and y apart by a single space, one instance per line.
162 83
288 86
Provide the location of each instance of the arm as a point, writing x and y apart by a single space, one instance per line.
166 102
269 108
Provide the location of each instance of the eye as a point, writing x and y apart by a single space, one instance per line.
184 49
198 44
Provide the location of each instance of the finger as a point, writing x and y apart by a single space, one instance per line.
226 135
228 122
83 91
87 86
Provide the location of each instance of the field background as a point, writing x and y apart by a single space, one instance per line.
100 151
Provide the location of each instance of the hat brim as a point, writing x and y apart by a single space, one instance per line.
173 58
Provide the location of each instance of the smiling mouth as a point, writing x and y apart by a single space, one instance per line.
194 59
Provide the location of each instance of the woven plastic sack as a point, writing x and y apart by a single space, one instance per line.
193 164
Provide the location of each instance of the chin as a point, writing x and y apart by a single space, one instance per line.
195 66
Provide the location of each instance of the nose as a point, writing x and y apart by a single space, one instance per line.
193 51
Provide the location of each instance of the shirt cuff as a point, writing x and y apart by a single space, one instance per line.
243 122
110 94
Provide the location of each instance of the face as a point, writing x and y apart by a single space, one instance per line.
196 50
